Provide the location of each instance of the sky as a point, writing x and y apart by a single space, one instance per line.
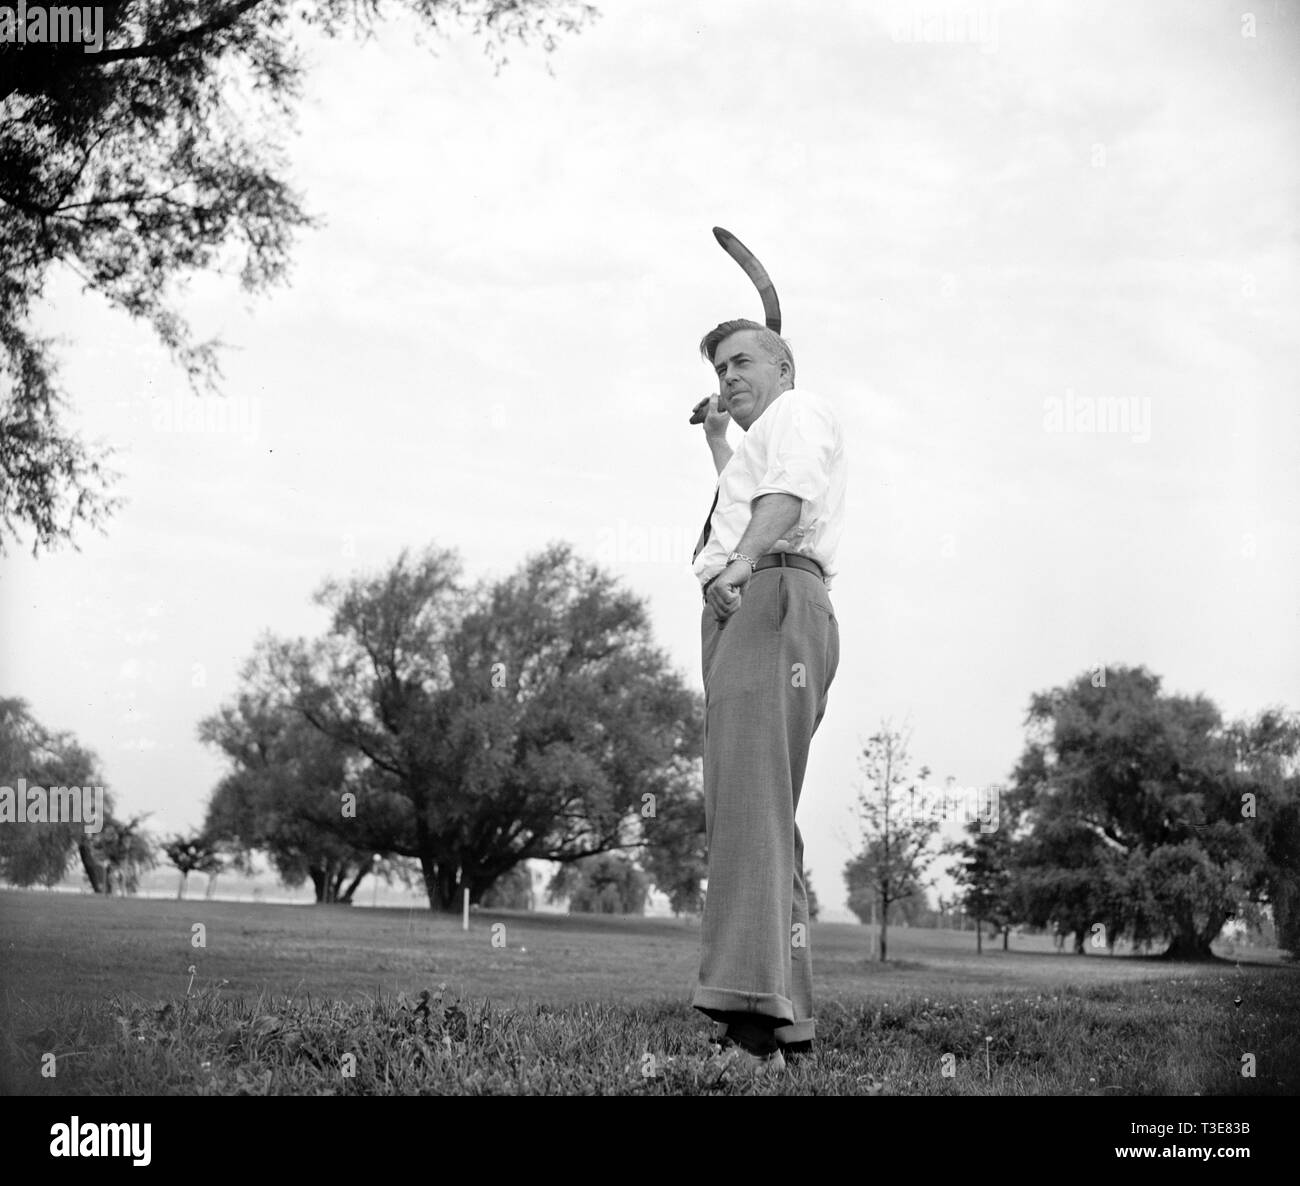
1042 258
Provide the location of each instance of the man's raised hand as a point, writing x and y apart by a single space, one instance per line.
716 419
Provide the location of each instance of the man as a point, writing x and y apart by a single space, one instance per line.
770 644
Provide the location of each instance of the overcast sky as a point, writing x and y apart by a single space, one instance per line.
995 230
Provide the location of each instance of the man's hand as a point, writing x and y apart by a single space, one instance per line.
716 420
715 433
724 594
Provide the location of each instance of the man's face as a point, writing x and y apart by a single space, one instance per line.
748 380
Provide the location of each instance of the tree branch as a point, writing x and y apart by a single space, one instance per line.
167 45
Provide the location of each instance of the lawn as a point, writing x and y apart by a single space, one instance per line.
327 1000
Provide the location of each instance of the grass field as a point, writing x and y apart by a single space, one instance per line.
320 1000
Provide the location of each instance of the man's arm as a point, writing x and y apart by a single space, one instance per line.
715 433
774 515
721 452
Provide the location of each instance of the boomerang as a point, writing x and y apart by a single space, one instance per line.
766 292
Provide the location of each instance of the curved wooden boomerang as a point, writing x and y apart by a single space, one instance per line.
766 291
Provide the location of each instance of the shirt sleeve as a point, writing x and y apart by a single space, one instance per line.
799 451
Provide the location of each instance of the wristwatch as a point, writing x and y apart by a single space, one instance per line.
734 556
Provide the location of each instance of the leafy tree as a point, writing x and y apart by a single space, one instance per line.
896 838
1134 814
197 853
39 854
676 851
984 872
1266 757
291 794
140 166
861 878
513 890
125 850
526 718
608 883
814 907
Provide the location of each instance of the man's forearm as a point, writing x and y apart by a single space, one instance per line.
774 515
721 452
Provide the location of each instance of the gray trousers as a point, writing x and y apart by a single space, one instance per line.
766 677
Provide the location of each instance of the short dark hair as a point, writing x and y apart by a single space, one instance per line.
777 347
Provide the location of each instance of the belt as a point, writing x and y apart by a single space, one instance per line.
786 560
779 560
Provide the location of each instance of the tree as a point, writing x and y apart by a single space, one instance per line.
513 890
1266 757
292 792
40 853
125 850
984 871
144 164
814 908
527 718
1134 815
197 853
676 850
896 836
609 883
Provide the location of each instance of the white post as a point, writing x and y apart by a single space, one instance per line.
464 926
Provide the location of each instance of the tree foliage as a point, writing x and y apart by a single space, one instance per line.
814 907
40 853
479 727
609 883
676 849
160 157
196 853
983 869
1134 812
513 890
286 794
1266 757
125 850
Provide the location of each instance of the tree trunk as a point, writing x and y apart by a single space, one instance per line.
979 935
1078 943
91 866
440 883
352 887
180 889
884 930
1006 938
448 886
429 872
317 876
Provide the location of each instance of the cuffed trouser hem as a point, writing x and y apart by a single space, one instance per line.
718 1003
728 1000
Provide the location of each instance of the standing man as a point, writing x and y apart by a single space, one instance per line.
771 645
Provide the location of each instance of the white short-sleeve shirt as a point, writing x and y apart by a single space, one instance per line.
795 447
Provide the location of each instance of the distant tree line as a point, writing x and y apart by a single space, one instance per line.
1132 814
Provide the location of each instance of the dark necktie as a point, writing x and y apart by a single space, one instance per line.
708 527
